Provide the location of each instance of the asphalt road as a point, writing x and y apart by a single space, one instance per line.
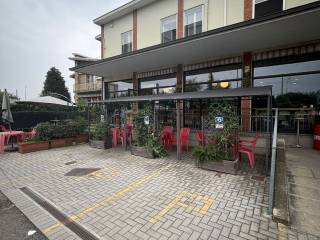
13 224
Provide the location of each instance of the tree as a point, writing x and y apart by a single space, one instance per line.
55 84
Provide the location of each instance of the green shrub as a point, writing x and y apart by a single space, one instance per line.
101 130
153 144
59 131
210 153
80 125
44 131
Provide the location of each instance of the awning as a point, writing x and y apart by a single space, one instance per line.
286 28
217 93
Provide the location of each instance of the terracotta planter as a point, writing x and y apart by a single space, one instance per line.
33 147
82 138
69 141
224 166
100 144
141 152
57 143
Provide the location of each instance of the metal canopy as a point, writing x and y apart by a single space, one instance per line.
290 27
218 93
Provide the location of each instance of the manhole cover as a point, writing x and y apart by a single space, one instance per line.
258 178
69 163
78 172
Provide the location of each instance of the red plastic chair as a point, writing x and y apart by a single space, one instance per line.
128 136
2 143
115 137
166 137
184 138
4 129
200 137
247 147
30 135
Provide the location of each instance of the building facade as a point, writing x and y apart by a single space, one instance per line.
170 46
86 87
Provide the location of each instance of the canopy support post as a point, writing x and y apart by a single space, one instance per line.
178 131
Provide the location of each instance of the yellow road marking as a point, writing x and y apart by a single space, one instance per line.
207 202
108 199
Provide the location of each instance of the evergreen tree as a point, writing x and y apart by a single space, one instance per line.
55 83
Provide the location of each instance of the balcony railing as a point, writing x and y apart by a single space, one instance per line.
87 87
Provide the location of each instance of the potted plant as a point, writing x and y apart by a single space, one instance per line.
40 142
219 154
101 136
146 142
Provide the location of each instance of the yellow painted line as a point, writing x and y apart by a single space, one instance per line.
203 209
108 199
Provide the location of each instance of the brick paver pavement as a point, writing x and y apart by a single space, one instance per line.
136 198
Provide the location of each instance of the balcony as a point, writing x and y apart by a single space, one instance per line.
87 87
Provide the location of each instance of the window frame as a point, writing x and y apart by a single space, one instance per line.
161 26
122 42
185 19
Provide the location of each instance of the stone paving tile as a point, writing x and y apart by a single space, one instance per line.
137 198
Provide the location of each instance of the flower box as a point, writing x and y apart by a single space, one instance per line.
69 141
82 138
28 147
141 152
57 143
224 166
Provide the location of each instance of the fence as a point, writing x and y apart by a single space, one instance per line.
27 120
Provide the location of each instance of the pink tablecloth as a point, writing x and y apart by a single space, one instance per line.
4 138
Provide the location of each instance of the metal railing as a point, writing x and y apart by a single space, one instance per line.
287 123
273 162
85 87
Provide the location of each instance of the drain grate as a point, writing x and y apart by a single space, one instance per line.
69 163
79 172
73 226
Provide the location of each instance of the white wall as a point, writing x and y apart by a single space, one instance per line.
149 21
216 13
296 3
112 35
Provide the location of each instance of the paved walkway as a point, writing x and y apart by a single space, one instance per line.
304 193
135 198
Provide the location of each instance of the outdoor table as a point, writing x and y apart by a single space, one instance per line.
5 136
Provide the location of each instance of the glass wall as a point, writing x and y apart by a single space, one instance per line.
152 86
121 88
293 85
212 80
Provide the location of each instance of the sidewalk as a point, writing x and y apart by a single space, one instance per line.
303 172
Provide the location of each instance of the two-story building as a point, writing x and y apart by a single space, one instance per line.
171 46
86 87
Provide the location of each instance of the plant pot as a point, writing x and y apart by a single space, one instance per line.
57 143
100 144
224 166
69 141
141 152
81 138
33 147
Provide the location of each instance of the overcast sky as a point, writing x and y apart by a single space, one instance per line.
38 34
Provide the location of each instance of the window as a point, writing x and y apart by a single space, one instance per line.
193 21
118 89
126 41
293 85
212 80
267 7
158 86
168 29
